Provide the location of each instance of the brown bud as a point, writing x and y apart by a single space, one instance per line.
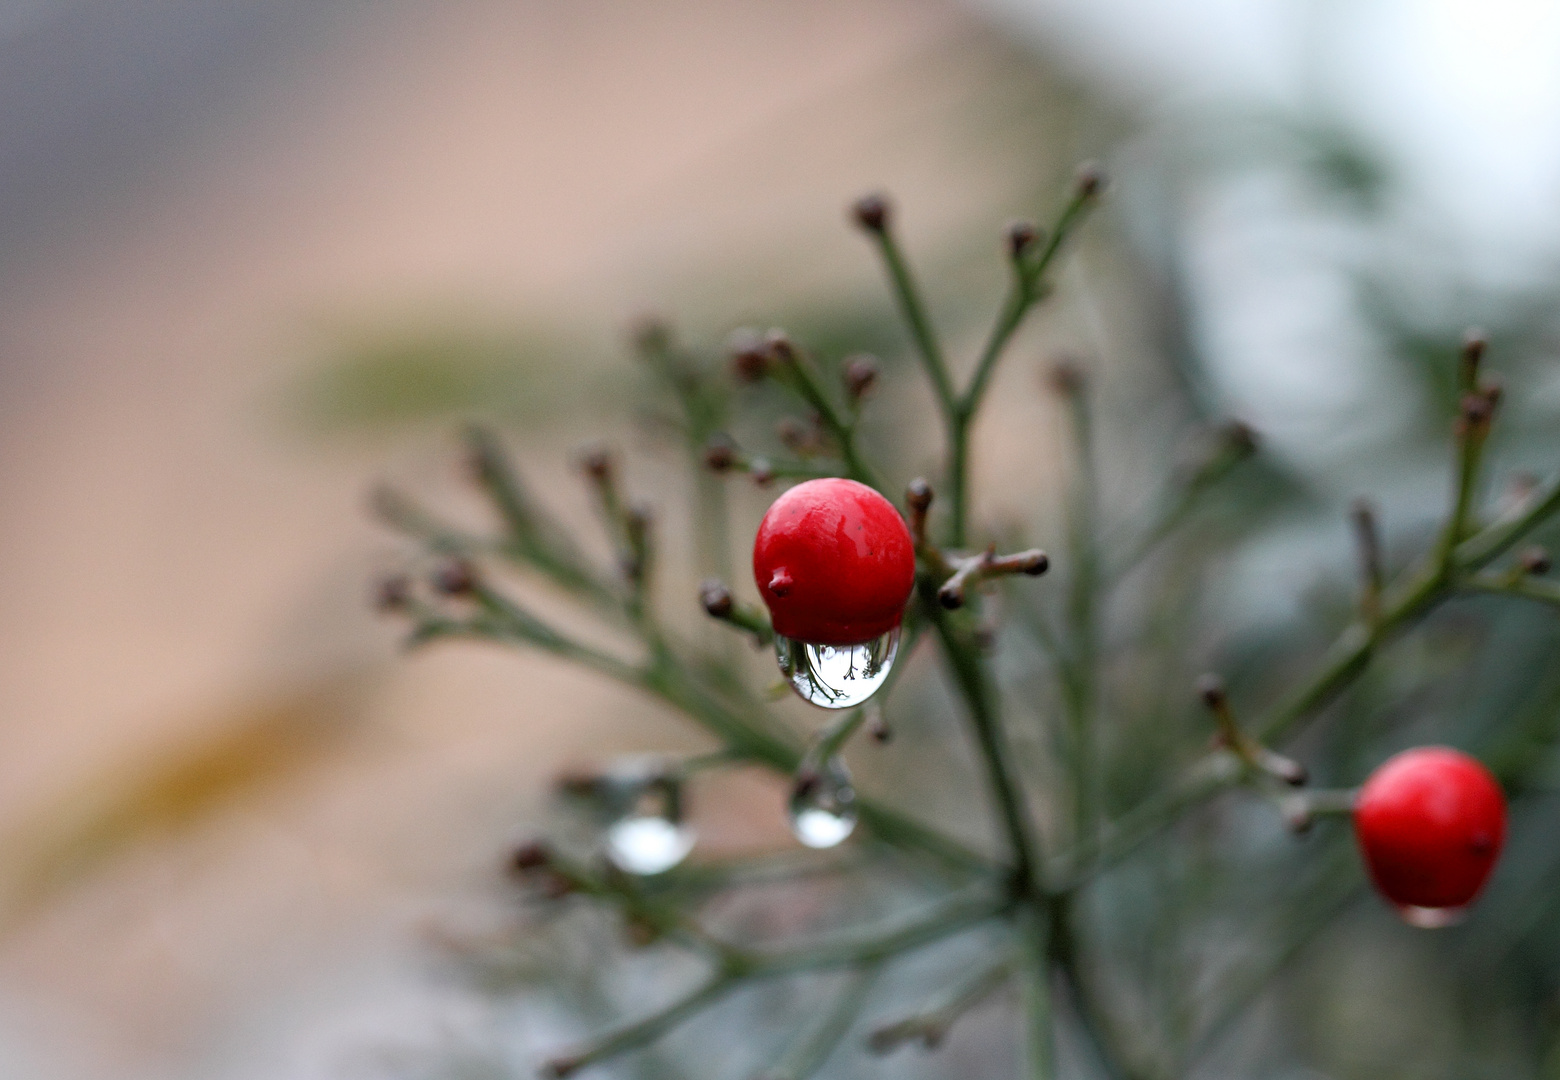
1034 563
919 495
596 461
558 1068
1474 344
1474 410
1088 181
1021 236
393 593
792 433
877 724
1534 560
719 454
577 783
1211 689
530 856
780 348
1241 436
456 577
1066 377
761 471
716 598
749 356
861 372
871 212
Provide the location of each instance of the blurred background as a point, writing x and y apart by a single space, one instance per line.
257 257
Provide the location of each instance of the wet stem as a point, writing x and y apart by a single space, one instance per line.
1032 893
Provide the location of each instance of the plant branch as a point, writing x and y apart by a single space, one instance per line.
1006 792
945 920
1039 1025
931 1024
808 1053
1546 592
645 1031
1028 288
872 213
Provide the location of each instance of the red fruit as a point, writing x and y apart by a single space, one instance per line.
1430 823
834 562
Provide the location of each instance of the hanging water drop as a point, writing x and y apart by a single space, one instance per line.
646 844
837 676
823 805
647 834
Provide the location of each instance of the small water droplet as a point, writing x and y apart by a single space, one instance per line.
646 844
837 676
823 806
1431 918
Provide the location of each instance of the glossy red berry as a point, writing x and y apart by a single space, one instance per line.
834 562
1430 823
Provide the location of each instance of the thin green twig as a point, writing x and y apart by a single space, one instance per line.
815 1045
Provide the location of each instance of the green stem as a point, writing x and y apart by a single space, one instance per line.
813 1048
1006 792
1028 289
1083 618
645 1031
808 385
1546 592
1480 550
930 1025
914 312
946 919
1092 1019
1040 1027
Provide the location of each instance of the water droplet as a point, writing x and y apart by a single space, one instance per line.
1431 918
646 844
823 805
837 676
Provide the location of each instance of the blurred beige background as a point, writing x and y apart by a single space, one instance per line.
223 793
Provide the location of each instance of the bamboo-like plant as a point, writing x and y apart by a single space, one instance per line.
1029 889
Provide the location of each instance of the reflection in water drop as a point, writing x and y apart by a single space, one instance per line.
647 843
1431 918
823 806
837 676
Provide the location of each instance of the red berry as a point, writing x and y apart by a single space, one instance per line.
834 562
1430 823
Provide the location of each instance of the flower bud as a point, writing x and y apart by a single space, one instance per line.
596 461
719 453
871 212
1534 560
1211 689
716 598
1021 237
1088 181
530 856
456 577
749 357
393 593
861 372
